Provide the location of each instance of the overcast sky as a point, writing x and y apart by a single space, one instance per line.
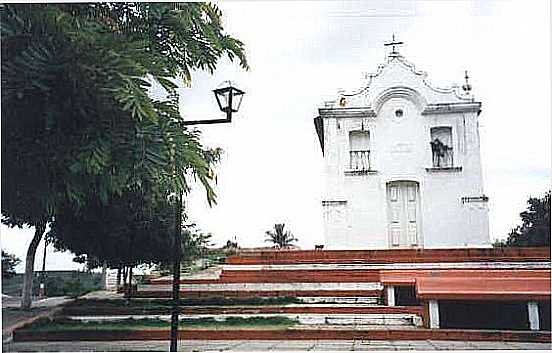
301 53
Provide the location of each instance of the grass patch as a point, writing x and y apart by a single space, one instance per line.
65 324
145 304
241 321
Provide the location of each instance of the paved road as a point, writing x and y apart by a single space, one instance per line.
249 346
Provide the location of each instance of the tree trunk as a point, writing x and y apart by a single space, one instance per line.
130 283
29 266
129 286
42 290
104 275
124 276
119 276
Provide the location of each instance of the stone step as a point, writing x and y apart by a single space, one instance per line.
241 290
342 300
310 297
344 296
256 286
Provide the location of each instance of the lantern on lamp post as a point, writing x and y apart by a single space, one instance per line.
229 100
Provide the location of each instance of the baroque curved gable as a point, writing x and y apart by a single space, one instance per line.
398 78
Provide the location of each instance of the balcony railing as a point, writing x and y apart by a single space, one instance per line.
359 160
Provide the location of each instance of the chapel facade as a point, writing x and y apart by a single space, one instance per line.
402 164
404 187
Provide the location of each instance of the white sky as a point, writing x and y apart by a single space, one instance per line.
301 53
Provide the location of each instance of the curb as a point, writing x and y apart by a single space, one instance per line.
287 334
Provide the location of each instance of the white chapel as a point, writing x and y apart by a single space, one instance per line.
402 164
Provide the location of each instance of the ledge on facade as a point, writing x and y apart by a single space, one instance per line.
360 172
333 202
482 198
444 169
444 108
351 112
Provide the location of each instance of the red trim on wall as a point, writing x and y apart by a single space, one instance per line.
478 288
408 277
289 334
390 256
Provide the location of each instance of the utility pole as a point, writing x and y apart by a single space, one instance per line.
176 273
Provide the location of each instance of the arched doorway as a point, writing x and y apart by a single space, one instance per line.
403 205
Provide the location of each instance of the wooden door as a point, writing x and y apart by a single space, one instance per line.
403 215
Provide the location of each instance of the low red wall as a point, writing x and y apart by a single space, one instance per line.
285 276
475 288
390 256
290 334
409 277
299 276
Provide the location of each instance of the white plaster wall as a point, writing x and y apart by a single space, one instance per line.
400 150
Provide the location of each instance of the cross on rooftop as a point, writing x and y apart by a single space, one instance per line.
393 43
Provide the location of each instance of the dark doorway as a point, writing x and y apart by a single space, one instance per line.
406 296
544 315
483 315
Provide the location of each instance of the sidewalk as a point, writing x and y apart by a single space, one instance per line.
13 317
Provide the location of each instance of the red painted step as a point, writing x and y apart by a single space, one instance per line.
390 256
288 334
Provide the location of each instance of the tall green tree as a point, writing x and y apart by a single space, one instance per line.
79 126
9 262
279 237
535 224
112 233
194 244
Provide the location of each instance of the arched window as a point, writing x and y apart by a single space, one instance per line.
359 150
441 147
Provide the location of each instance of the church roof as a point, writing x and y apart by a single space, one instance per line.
400 78
396 78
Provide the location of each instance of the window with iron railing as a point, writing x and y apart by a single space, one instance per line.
359 150
359 160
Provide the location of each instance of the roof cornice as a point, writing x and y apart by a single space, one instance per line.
446 108
364 112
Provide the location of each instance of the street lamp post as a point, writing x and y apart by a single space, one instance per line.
229 100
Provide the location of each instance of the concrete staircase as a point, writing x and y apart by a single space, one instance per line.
322 298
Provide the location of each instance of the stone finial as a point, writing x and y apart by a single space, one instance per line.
466 87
